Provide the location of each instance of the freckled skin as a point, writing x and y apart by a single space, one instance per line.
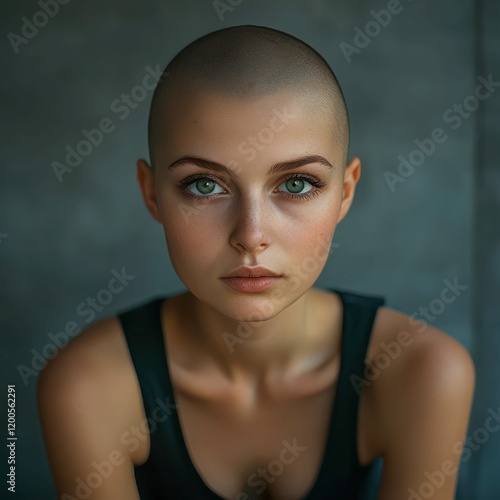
252 222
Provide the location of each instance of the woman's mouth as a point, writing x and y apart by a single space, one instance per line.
251 279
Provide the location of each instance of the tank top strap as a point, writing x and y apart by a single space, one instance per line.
359 316
142 329
341 463
358 319
144 335
143 332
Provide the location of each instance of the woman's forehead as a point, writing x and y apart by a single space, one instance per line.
277 127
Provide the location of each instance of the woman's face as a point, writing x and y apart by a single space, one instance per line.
253 215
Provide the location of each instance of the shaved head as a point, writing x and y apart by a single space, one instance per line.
248 62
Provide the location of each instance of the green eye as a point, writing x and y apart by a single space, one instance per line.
204 186
295 185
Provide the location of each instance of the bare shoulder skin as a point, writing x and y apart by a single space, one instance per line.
85 398
419 396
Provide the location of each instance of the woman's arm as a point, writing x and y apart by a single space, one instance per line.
425 399
81 425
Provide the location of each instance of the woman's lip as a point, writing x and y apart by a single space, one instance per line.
251 272
251 284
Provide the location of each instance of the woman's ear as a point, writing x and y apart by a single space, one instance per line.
145 177
351 177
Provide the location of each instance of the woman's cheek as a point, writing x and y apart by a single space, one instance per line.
195 235
317 238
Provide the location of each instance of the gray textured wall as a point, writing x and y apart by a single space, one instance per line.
60 241
486 272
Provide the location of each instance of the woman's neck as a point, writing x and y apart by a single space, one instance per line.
292 341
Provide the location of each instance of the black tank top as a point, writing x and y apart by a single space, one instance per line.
169 472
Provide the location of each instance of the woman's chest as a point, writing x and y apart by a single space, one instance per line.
244 449
273 452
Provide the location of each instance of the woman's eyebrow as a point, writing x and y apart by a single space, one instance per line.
281 166
299 162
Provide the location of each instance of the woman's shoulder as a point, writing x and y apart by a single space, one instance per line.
408 342
417 376
92 373
87 398
93 355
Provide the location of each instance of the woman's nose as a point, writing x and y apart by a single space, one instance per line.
251 226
